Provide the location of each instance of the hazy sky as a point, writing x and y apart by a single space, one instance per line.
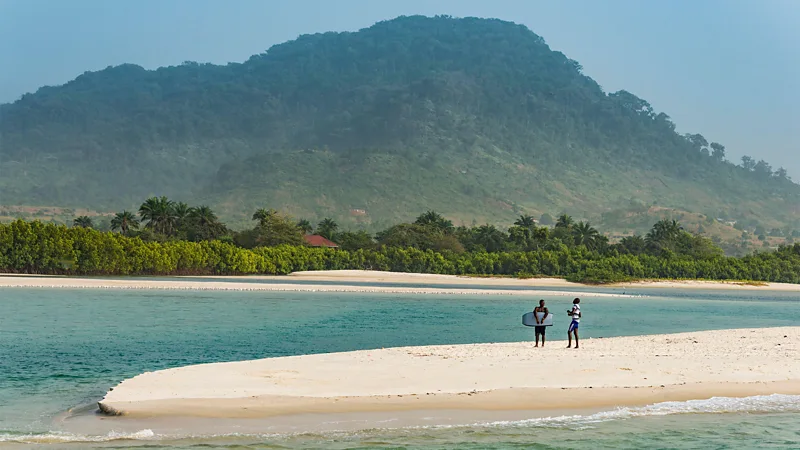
728 69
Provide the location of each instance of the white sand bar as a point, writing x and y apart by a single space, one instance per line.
378 276
232 284
466 285
603 372
395 277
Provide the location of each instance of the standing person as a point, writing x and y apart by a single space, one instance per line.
575 313
540 329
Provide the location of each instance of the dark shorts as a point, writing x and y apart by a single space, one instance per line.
573 326
540 330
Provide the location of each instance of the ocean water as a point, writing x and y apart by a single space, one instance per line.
60 350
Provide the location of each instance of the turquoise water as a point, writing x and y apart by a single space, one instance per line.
60 350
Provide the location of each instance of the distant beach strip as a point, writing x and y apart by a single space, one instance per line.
619 371
254 285
370 282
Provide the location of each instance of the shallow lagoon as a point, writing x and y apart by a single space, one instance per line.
62 349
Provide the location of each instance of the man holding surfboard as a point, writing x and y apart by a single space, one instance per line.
540 313
575 313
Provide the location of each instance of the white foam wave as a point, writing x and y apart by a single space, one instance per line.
775 403
61 438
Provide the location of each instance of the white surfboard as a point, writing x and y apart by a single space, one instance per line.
529 321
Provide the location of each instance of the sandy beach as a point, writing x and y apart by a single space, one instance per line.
471 285
620 371
376 276
285 284
709 285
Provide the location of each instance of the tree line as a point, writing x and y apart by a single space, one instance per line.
161 219
170 238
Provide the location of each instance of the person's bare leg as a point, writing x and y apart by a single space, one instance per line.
569 336
537 340
576 338
542 340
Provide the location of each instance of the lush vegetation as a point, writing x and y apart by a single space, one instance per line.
169 238
474 118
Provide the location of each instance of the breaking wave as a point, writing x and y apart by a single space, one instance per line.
62 438
775 403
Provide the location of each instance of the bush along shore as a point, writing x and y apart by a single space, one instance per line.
665 253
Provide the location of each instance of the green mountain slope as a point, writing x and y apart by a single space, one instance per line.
478 119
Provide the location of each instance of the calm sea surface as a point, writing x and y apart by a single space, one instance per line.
60 350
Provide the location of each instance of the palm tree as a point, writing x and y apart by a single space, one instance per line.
663 234
327 228
435 220
565 221
585 234
202 224
305 226
83 222
203 216
182 212
124 221
263 215
490 238
521 236
159 212
633 244
525 221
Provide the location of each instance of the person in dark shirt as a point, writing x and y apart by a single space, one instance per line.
539 314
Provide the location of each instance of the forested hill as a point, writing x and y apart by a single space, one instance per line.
475 118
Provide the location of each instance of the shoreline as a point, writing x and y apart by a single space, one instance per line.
213 284
379 276
605 372
289 283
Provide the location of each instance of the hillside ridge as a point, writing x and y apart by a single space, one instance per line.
476 118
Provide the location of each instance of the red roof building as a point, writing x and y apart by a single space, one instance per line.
315 240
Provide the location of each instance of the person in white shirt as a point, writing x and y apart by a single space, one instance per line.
575 313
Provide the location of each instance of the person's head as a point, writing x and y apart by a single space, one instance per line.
576 301
541 302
